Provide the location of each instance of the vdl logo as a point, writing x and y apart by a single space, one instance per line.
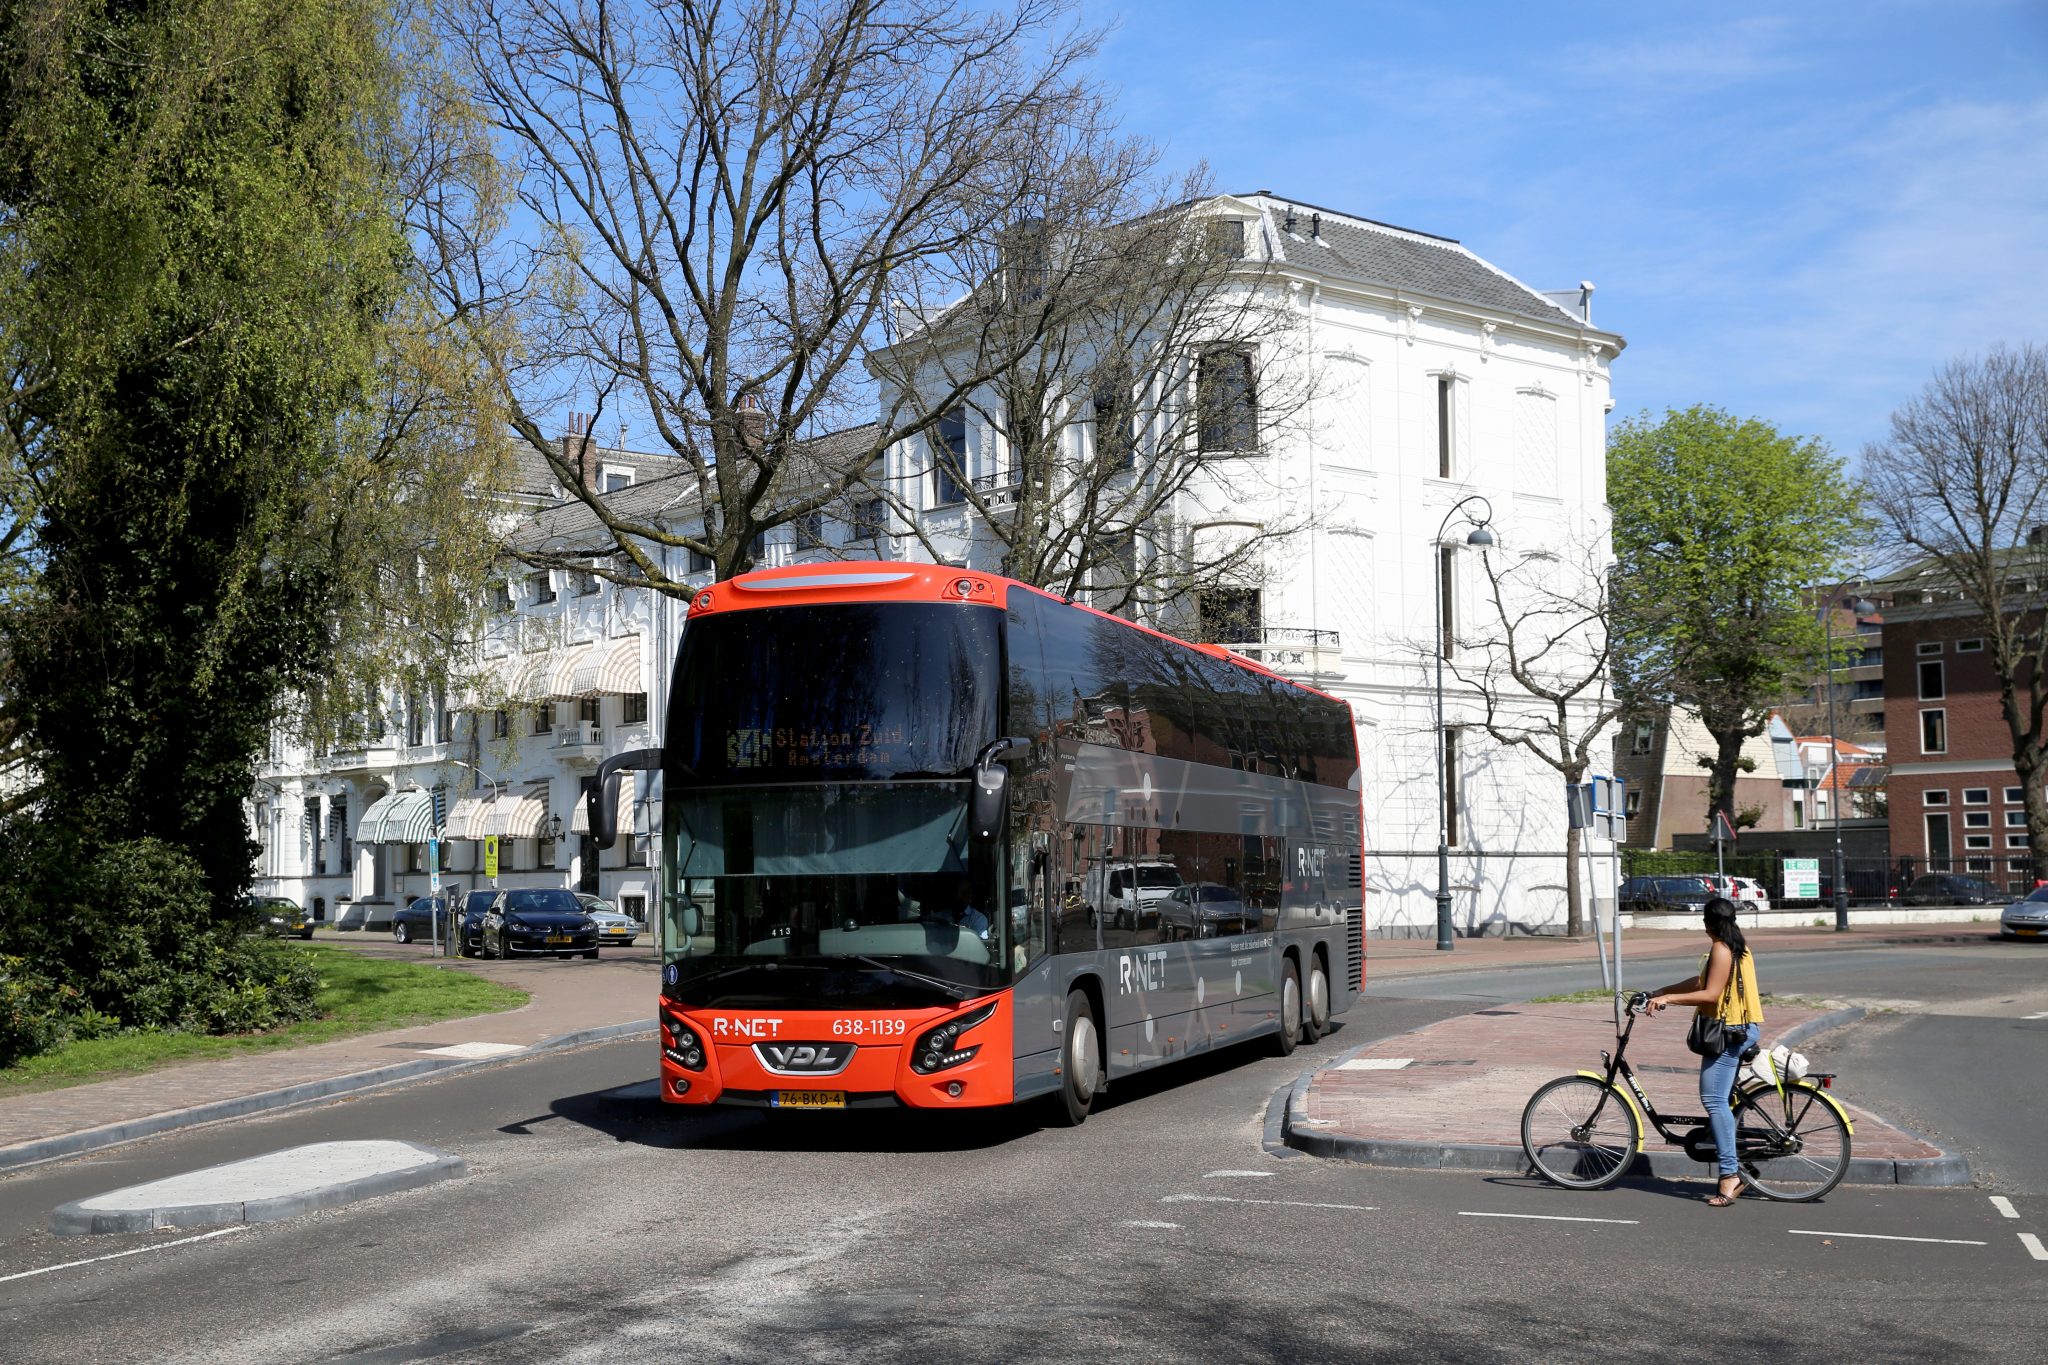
811 1059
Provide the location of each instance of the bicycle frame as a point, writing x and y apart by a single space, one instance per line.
1617 1065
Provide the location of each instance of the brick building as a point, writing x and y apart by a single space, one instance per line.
1955 800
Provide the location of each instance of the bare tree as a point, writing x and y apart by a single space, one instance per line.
1541 663
718 207
1145 366
1964 481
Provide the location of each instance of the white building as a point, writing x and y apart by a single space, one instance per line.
1441 377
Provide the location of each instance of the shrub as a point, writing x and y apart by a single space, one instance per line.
31 1018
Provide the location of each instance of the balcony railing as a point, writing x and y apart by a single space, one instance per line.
998 487
1296 651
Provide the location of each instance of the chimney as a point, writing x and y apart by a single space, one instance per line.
578 450
2037 536
753 422
1315 226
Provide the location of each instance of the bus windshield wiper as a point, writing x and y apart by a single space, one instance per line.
939 983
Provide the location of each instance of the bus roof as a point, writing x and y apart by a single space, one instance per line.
851 581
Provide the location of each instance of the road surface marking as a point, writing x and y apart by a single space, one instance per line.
2004 1206
474 1052
2042 1015
1883 1237
1284 1203
1547 1217
1147 1223
1374 1064
117 1255
1250 1175
2033 1246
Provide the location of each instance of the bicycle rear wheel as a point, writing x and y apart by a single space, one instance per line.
1793 1146
1580 1132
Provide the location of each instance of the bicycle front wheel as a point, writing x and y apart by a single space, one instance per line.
1792 1146
1580 1132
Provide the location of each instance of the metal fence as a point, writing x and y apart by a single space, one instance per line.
1870 881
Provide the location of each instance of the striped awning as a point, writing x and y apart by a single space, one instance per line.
525 677
466 821
518 815
562 684
400 818
613 670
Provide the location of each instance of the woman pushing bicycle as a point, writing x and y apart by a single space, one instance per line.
1725 993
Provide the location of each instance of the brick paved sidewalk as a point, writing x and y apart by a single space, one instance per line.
1451 1095
566 998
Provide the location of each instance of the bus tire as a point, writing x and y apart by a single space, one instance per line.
1290 1007
1081 1075
1315 1001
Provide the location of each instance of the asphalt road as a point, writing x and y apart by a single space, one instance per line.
595 1227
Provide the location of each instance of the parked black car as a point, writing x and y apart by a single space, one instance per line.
1952 888
1665 893
537 922
469 934
420 919
277 916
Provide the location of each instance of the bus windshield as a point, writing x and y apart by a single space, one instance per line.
837 876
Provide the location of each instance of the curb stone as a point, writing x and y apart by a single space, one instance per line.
42 1150
1948 1170
72 1219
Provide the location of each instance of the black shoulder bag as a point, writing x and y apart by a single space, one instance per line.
1711 1035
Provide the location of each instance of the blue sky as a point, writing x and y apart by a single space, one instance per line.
1795 212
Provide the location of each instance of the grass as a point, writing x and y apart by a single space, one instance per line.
357 995
1574 998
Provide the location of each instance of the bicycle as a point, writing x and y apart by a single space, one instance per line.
1584 1131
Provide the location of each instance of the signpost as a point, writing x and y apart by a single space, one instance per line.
1802 879
491 856
1723 835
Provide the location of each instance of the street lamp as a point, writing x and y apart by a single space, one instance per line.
1859 608
1480 537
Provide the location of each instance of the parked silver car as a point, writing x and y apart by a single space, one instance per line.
2027 918
613 928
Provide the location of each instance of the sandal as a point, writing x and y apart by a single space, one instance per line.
1721 1198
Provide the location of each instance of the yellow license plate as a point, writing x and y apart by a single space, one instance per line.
558 938
808 1099
2026 931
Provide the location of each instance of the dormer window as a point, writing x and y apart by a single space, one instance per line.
543 586
616 478
1224 238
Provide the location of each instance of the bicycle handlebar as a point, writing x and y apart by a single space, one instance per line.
1638 1002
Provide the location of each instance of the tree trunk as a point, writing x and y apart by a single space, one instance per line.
1728 744
1574 887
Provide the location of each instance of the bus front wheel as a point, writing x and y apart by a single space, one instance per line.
1082 1073
1290 1007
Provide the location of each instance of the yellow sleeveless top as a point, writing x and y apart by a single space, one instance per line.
1741 1002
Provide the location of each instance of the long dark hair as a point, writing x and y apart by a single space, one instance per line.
1722 928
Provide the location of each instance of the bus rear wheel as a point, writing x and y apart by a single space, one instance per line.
1315 1020
1081 1077
1290 1008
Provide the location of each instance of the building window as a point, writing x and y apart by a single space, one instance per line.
810 531
1972 646
1225 238
868 519
1976 819
1974 841
1937 841
2017 841
699 562
544 718
1231 615
615 479
1632 804
949 458
501 597
1447 600
1446 409
1451 787
1931 688
1927 647
2016 819
590 710
501 724
1116 444
633 708
1934 731
415 718
1976 796
1934 798
635 906
2015 796
1645 735
584 583
1227 402
1977 865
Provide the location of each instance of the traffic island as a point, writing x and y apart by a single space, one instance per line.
1449 1096
262 1189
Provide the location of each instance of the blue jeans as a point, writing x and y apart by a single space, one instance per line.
1717 1078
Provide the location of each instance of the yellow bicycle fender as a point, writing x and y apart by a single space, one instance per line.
1625 1098
1823 1096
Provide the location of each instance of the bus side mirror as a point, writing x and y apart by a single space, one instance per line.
603 800
991 788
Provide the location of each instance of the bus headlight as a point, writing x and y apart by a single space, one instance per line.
684 1048
936 1050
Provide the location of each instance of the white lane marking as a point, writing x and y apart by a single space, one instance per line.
1374 1064
2004 1206
1147 1223
1249 1175
1285 1203
2042 1015
471 1052
117 1255
1547 1217
1884 1237
2033 1246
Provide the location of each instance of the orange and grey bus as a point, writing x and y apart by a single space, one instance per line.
936 839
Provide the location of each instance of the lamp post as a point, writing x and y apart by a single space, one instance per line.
1480 537
1859 608
454 919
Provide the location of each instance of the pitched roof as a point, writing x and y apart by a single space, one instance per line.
1370 252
